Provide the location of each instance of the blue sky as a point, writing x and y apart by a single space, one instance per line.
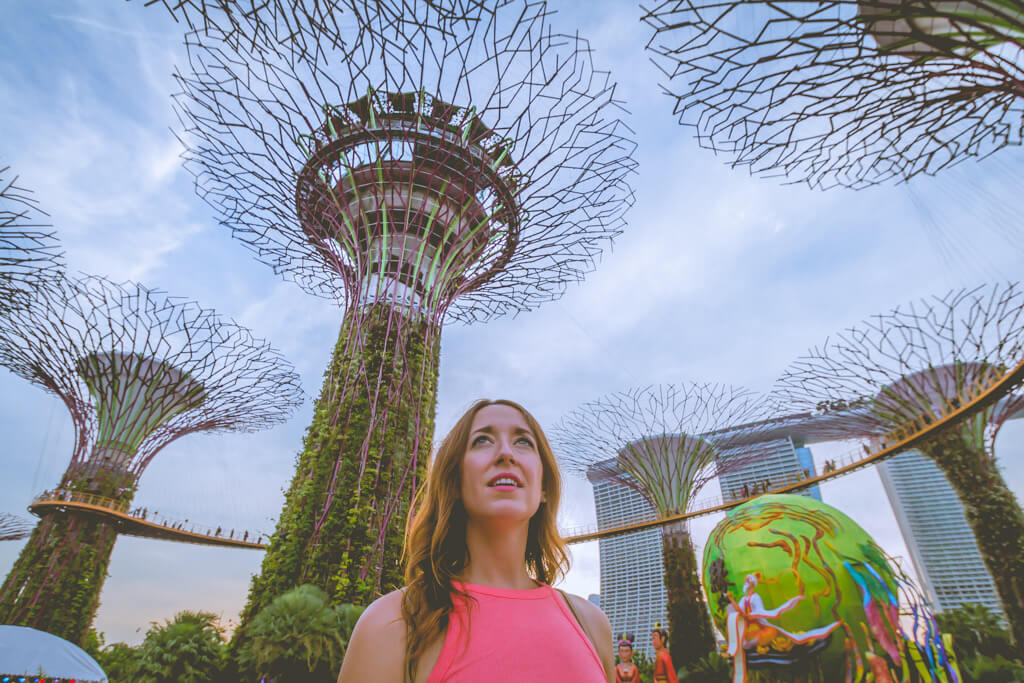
718 277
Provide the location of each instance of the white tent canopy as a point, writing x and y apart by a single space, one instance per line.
28 652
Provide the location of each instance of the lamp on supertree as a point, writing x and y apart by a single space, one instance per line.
29 255
844 92
137 370
460 161
899 371
665 442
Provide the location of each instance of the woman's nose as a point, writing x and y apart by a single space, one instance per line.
505 451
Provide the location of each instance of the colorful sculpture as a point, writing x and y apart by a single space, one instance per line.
664 669
799 588
625 670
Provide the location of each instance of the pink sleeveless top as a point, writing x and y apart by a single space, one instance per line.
515 635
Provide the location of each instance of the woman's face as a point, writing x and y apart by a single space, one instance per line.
625 653
502 473
656 640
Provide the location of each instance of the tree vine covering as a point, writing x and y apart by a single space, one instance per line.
691 638
370 436
56 581
990 507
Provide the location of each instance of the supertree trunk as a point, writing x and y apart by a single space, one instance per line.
56 581
344 515
991 509
690 636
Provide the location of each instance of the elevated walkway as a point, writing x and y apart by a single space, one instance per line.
891 444
139 522
136 522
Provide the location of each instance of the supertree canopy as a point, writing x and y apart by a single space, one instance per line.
665 442
29 255
13 527
261 24
899 371
136 370
844 92
456 161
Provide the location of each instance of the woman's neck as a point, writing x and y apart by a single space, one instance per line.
497 557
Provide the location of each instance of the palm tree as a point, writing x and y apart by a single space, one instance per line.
299 637
187 649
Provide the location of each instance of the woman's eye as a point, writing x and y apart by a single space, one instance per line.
480 440
524 440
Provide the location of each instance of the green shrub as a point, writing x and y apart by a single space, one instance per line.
996 669
120 662
712 668
298 637
187 649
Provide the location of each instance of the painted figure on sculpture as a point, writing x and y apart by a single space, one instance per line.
747 627
625 670
664 670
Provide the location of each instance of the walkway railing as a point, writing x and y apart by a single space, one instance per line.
893 443
141 522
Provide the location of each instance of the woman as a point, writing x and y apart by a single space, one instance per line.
664 671
481 553
626 671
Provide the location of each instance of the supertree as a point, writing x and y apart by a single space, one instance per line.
666 442
136 370
844 92
898 371
30 256
457 161
13 527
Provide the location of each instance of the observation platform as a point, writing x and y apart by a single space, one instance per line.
139 522
893 443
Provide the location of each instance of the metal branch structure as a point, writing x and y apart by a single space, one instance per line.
30 256
259 25
457 161
899 371
13 527
667 442
844 92
136 370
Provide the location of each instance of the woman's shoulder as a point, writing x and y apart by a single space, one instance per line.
591 615
381 623
597 628
384 615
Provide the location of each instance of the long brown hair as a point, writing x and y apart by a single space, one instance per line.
435 535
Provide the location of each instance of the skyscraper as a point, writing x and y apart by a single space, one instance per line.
938 537
632 588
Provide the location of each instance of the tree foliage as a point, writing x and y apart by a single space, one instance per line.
120 661
298 637
976 630
186 649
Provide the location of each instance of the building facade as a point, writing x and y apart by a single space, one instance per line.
938 537
632 585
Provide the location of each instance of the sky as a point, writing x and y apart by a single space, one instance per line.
717 277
